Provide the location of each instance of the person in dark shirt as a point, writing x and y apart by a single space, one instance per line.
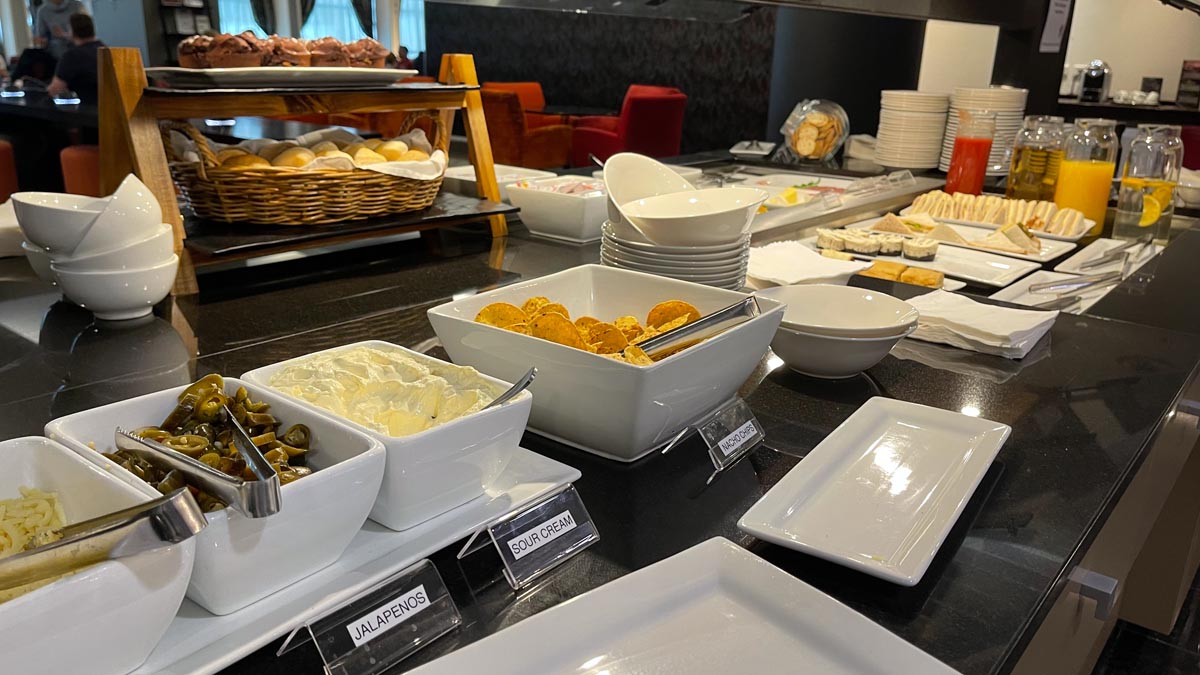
77 70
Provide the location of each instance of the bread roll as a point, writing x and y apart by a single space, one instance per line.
353 148
272 150
413 156
334 153
226 153
393 150
245 161
373 143
324 146
364 156
294 157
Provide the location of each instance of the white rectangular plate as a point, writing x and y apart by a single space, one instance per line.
199 643
1019 294
881 492
275 76
1096 249
1051 248
713 609
1087 227
980 267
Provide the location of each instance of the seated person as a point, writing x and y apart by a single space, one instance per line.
77 70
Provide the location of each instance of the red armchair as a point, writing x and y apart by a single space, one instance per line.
531 97
514 143
651 123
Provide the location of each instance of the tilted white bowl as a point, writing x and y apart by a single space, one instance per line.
843 311
39 261
132 214
629 176
146 252
54 221
122 294
830 357
698 218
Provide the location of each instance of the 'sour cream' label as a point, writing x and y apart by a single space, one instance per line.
541 534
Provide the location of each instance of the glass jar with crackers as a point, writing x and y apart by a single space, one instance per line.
816 129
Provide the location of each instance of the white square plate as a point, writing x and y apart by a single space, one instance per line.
881 492
1096 249
697 612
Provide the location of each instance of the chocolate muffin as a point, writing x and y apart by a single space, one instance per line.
328 52
367 53
287 51
235 51
193 52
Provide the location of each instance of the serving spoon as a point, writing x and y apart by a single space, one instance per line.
521 385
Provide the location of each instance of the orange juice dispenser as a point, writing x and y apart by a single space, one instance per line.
1086 175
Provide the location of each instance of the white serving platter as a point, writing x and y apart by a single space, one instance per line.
275 76
980 267
881 492
1051 248
199 643
1018 293
1087 227
1096 249
713 609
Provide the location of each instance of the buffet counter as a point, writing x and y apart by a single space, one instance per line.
1103 426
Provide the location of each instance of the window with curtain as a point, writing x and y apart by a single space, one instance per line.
336 18
237 16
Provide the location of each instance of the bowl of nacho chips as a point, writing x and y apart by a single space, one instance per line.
596 388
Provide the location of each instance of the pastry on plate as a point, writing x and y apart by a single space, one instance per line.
328 52
367 53
236 51
920 248
862 244
193 52
922 277
830 239
890 244
287 51
883 269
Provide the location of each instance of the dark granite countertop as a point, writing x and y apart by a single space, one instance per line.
1083 407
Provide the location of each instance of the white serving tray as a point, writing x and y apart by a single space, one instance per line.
1088 224
1051 248
1019 294
882 491
275 76
713 609
1095 250
980 267
199 643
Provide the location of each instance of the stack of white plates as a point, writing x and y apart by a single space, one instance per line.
1009 105
721 265
911 124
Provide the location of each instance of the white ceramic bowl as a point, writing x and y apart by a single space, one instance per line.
121 294
54 221
731 264
131 215
608 232
39 261
829 357
699 218
149 251
240 560
105 618
843 311
629 176
689 173
559 215
461 179
1190 194
614 409
441 468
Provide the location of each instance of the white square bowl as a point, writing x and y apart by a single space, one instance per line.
108 617
554 214
240 560
429 473
614 409
461 179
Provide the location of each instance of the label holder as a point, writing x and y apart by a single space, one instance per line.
730 432
384 624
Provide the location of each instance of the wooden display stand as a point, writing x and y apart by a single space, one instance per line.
130 140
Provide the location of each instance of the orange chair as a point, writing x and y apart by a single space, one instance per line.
8 171
81 169
514 143
532 98
651 123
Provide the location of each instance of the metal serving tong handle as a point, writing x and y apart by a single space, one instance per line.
159 522
1116 253
741 311
255 498
1076 284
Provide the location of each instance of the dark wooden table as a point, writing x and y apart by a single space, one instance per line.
39 106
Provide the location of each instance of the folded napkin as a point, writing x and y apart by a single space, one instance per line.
789 262
10 233
956 320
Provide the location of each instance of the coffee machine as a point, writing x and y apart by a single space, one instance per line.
1096 79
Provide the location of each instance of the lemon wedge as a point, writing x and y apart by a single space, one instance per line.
1151 211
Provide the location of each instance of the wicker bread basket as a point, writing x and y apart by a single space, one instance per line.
296 196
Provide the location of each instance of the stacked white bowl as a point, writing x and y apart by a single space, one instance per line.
113 256
661 224
1009 105
911 125
834 332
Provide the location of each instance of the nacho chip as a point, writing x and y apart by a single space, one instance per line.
534 304
522 328
607 338
583 323
616 357
675 323
670 310
553 307
501 315
555 327
637 357
629 326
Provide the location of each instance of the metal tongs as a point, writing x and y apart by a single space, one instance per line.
1077 283
704 327
1116 253
160 522
252 498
